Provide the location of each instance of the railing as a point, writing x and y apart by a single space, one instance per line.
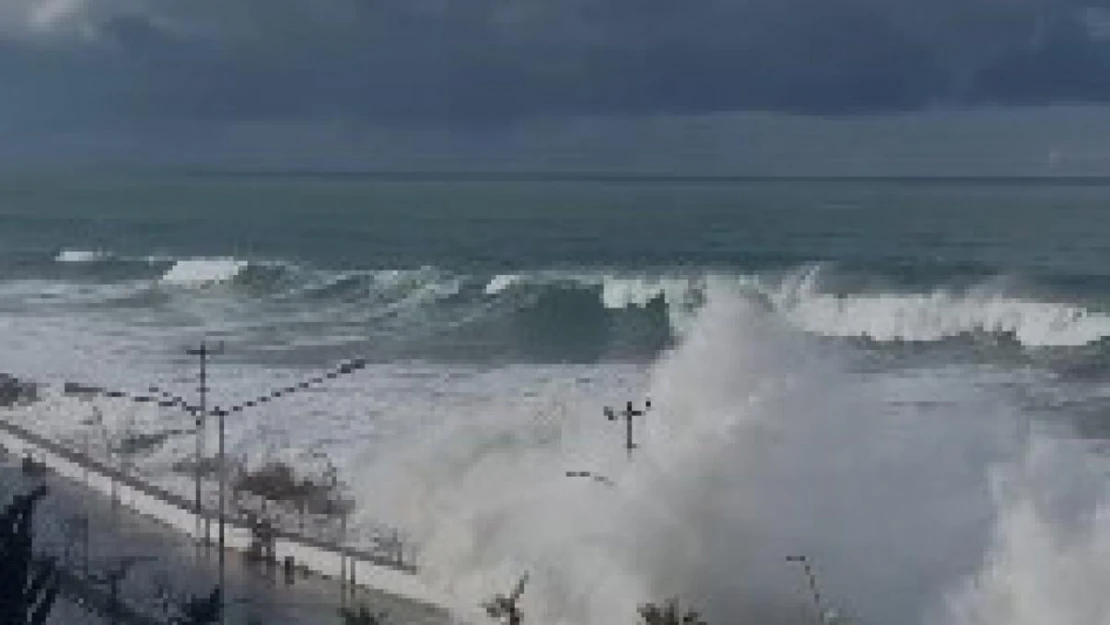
387 553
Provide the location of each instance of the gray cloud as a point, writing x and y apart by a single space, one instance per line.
77 61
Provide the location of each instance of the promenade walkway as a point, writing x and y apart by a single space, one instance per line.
164 559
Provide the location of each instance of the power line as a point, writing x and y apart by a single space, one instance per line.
165 399
342 369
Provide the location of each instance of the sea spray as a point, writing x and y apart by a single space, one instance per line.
761 446
1049 558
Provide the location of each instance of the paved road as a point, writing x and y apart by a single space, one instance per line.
163 558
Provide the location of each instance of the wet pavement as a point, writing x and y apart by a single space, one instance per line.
163 563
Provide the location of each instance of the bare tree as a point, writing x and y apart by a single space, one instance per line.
506 606
362 616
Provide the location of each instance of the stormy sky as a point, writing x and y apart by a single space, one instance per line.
480 62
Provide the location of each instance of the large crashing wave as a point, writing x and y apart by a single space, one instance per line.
920 502
1049 556
918 494
759 448
877 315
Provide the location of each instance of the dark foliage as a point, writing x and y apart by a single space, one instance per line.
362 616
14 391
279 482
28 585
200 610
668 614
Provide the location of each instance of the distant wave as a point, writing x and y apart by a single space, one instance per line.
655 304
203 271
82 256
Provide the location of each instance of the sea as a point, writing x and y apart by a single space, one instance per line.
902 380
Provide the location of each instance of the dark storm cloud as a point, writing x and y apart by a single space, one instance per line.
488 60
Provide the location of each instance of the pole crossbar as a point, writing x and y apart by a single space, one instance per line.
628 414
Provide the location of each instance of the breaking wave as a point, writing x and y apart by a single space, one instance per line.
82 256
937 315
203 271
657 307
760 447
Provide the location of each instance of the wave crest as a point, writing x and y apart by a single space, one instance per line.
194 272
814 298
938 315
82 256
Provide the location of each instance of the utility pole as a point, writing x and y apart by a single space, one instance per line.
203 352
220 413
628 413
812 579
345 368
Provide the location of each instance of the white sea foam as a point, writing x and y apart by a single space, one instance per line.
203 271
757 452
81 256
1049 559
935 315
757 448
884 316
501 282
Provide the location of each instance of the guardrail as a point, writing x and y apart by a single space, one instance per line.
357 566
